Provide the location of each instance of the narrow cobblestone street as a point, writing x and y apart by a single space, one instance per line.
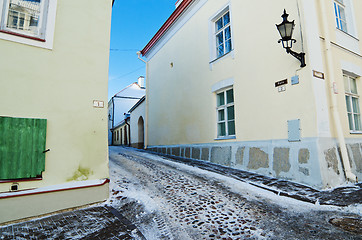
168 200
153 197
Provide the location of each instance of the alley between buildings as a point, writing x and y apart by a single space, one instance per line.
169 200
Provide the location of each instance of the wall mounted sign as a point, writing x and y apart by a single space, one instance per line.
318 74
282 82
295 80
98 104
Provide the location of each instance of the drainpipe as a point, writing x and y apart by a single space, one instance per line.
147 87
334 107
129 132
112 121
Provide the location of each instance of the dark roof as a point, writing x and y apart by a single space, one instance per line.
137 104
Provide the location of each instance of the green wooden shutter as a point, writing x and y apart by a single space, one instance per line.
22 142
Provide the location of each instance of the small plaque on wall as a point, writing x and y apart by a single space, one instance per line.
318 74
282 82
98 104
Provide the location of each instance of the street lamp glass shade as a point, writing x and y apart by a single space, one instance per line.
286 30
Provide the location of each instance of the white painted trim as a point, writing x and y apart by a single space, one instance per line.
222 84
49 29
351 69
177 25
212 39
314 54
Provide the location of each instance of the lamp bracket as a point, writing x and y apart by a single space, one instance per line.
300 56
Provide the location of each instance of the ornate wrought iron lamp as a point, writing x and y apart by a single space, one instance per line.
286 31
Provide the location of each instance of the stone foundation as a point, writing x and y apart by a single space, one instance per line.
312 161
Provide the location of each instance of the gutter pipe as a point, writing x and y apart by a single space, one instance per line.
147 87
334 106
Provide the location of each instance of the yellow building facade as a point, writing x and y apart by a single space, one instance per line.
54 64
220 88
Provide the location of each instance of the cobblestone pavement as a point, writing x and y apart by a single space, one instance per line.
341 196
168 200
89 223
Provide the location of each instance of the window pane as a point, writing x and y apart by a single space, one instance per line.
353 85
227 46
230 111
220 50
341 13
219 24
337 15
219 38
348 103
221 115
227 33
350 121
346 83
24 15
220 99
221 131
226 18
231 127
355 105
357 122
230 96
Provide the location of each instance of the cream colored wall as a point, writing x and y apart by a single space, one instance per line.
185 111
346 50
60 86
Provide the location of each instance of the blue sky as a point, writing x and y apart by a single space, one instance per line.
134 23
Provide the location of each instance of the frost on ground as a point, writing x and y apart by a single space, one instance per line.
168 200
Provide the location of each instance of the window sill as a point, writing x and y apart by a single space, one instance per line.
22 35
225 138
231 53
348 34
223 56
355 132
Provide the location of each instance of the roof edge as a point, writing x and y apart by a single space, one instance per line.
169 22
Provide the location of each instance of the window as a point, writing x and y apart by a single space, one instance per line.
25 17
223 35
352 102
225 113
339 10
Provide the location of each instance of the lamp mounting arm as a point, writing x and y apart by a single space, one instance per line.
300 56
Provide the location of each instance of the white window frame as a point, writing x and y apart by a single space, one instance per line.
226 119
349 96
213 33
341 21
43 39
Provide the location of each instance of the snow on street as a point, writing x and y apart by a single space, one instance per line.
169 200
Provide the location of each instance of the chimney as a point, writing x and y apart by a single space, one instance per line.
141 81
178 3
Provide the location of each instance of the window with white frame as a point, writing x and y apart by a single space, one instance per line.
223 35
25 17
352 102
340 14
225 113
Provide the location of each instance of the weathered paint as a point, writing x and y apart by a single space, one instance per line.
60 85
22 142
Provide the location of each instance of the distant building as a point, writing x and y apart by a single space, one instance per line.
121 132
137 124
53 94
222 89
121 102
